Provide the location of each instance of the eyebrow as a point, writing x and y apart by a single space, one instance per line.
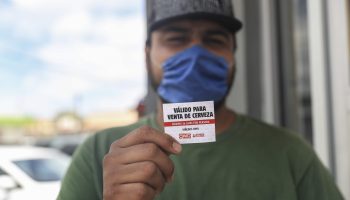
218 32
175 29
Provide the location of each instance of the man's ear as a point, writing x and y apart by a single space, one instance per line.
149 68
148 58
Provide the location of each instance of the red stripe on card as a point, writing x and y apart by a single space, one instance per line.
188 123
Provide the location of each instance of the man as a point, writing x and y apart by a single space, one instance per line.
192 42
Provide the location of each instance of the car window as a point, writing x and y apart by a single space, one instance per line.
2 172
44 170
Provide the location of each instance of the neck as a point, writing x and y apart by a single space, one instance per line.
224 117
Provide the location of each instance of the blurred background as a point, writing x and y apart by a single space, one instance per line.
71 68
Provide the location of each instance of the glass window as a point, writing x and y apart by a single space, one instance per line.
44 170
2 172
294 68
302 68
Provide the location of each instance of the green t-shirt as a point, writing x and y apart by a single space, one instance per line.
249 161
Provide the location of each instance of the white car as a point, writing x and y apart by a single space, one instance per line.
31 172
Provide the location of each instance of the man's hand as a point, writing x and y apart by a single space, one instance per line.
138 166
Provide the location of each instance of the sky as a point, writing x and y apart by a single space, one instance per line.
59 55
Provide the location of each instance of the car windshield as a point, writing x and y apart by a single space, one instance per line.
44 170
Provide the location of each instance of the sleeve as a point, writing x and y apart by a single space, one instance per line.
79 181
317 183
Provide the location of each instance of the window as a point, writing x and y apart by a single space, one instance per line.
2 172
44 170
294 67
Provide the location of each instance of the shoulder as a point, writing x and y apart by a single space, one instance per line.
273 135
287 148
281 144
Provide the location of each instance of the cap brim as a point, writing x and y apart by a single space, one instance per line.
230 23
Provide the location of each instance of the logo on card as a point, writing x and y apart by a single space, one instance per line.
185 136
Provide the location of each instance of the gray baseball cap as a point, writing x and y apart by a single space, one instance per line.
161 12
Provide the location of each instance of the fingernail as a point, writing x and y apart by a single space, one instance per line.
177 147
169 180
172 178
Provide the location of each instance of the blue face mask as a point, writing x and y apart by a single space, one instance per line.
194 74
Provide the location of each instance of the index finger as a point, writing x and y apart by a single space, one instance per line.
147 134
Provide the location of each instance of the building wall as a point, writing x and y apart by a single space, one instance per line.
299 50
